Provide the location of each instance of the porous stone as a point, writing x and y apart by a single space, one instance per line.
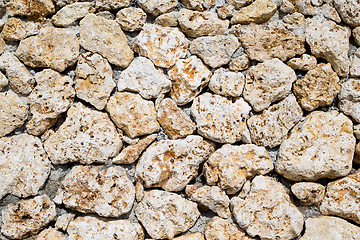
268 82
199 5
240 63
90 189
133 114
304 63
230 166
174 214
167 19
303 6
215 51
349 97
329 12
131 19
3 81
94 79
103 36
239 3
112 4
157 7
197 24
172 164
27 217
221 119
62 222
309 193
52 96
349 11
357 154
257 12
50 234
267 211
35 9
355 65
271 127
225 10
163 45
69 14
191 236
357 131
227 83
16 29
189 76
322 146
222 229
86 136
356 35
141 76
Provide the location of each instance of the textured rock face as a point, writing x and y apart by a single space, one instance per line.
349 97
71 13
199 5
221 229
85 137
238 3
309 193
133 114
36 9
258 12
92 228
167 19
227 83
322 146
50 233
349 11
111 4
131 19
106 192
355 64
174 214
268 82
304 63
230 166
3 81
27 217
16 29
221 119
267 211
356 35
157 7
52 47
171 164
240 63
163 45
105 37
193 236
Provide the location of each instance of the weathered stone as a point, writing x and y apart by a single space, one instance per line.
52 96
172 164
197 24
86 136
342 198
240 63
92 228
268 82
199 5
157 7
167 19
13 112
329 12
174 120
215 51
271 127
106 192
69 14
221 229
225 11
191 236
163 45
322 146
27 217
355 65
349 97
357 154
304 63
36 9
221 119
356 35
131 19
16 29
257 12
230 166
105 37
112 4
3 81
330 41
139 191
62 222
309 193
239 3
189 76
174 214
357 131
133 114
267 211
303 6
94 79
50 234
227 83
349 11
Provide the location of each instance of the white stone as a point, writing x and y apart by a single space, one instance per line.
240 63
356 35
69 14
199 5
62 222
304 63
309 193
131 19
349 97
16 29
157 7
259 11
191 236
227 83
111 4
355 64
50 234
349 11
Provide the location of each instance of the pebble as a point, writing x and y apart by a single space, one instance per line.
167 19
309 193
304 63
259 11
349 11
69 14
227 83
157 7
131 19
349 98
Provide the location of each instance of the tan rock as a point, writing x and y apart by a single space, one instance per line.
199 5
309 193
221 229
304 7
355 65
356 35
267 211
357 131
112 4
36 9
172 164
62 222
215 51
50 234
167 19
257 12
133 114
131 19
197 24
357 154
322 146
139 191
157 7
2 45
174 214
349 11
349 97
86 136
304 63
16 29
240 63
225 11
3 81
27 217
227 83
191 236
239 3
268 82
329 12
163 45
69 14
220 119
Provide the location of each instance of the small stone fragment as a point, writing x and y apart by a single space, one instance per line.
199 5
221 229
133 114
16 29
240 63
357 131
309 193
257 12
27 217
356 35
357 154
355 65
139 191
131 19
239 3
63 221
227 83
349 11
349 97
35 9
215 51
3 81
191 236
303 6
225 11
157 7
50 234
330 13
69 14
167 19
304 63
174 214
112 4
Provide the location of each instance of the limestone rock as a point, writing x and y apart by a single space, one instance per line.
215 51
167 19
69 14
141 76
86 136
240 63
267 211
356 35
174 214
175 122
92 228
172 164
13 112
271 127
268 82
131 19
199 5
239 3
304 63
157 7
112 4
357 154
197 24
309 193
105 37
62 222
50 234
349 11
36 9
133 114
322 146
220 119
191 236
355 65
221 229
16 29
357 131
90 189
94 79
230 166
227 83
189 76
163 45
349 97
329 12
225 11
303 6
3 81
27 217
52 96
257 12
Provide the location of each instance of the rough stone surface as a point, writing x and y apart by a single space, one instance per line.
62 222
349 97
36 9
349 11
131 19
16 29
357 131
227 83
167 19
221 229
240 63
157 7
355 65
257 12
191 236
356 35
309 193
50 234
199 5
304 63
3 81
239 3
112 4
69 14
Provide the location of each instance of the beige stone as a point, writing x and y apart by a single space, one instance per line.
191 236
35 9
357 154
355 64
139 191
157 7
357 131
225 11
221 229
3 81
239 3
329 12
309 193
356 35
304 63
131 19
16 29
50 234
112 4
69 14
167 19
303 6
62 222
240 63
349 11
199 5
349 97
227 83
257 12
